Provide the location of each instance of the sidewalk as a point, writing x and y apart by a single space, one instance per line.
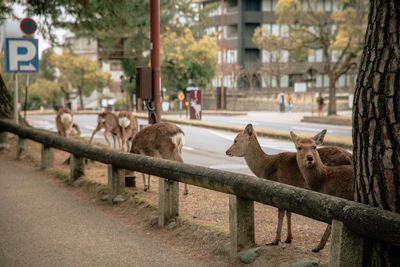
43 224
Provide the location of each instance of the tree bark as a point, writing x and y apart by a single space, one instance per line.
376 123
332 97
6 106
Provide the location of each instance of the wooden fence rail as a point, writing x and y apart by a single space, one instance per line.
357 218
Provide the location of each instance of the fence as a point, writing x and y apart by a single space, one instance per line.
351 221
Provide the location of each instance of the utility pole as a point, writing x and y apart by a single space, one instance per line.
155 114
222 55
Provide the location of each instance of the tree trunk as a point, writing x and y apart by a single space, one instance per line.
80 98
376 123
332 97
6 106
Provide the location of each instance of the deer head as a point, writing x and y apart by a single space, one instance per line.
241 142
307 154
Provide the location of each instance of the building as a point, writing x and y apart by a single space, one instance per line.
241 18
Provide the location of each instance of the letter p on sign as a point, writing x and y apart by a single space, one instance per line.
22 55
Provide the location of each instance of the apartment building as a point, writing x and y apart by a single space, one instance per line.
241 18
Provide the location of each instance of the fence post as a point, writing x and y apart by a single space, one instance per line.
3 140
47 157
346 246
22 148
116 182
241 224
77 168
168 200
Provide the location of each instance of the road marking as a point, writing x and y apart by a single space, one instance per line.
229 166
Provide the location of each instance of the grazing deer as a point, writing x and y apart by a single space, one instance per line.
109 122
76 130
129 127
281 167
160 140
332 180
64 122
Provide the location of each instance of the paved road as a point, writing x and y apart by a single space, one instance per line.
44 225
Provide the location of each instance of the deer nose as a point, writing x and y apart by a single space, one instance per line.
309 158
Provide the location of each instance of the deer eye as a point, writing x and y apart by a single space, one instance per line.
235 141
315 147
299 148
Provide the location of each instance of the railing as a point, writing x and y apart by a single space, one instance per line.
351 221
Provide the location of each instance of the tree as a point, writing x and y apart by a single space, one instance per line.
339 34
183 59
42 92
83 74
274 46
249 73
376 123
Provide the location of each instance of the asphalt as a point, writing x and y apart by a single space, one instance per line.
42 224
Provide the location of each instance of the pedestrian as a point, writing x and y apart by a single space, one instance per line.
281 100
289 100
320 101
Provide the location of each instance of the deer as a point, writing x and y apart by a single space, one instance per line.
160 140
109 122
129 127
331 180
64 122
281 167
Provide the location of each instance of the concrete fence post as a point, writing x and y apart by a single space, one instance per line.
4 140
77 168
47 157
241 224
168 200
116 182
22 148
346 246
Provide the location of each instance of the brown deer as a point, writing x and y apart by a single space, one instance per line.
64 122
109 122
160 140
280 167
332 180
129 127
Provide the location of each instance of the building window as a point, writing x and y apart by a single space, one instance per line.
326 80
341 82
274 3
267 5
318 80
266 56
319 56
285 81
328 5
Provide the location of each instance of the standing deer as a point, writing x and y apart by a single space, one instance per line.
129 127
161 140
64 122
332 180
281 167
109 122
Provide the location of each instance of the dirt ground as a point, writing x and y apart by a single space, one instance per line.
203 226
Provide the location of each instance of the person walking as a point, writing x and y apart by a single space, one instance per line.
281 100
320 101
289 100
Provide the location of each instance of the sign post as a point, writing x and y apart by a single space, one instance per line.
21 56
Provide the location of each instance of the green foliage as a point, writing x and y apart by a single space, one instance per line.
82 73
43 92
184 58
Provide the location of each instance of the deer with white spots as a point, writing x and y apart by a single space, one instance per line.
331 180
160 140
280 167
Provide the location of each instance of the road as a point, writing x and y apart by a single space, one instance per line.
206 147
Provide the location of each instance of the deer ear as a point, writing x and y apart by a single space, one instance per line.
293 136
249 129
319 138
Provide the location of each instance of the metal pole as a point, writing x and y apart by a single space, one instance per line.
16 98
222 55
155 57
26 95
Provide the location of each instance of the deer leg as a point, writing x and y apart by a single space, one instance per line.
94 132
289 227
324 239
146 186
186 190
281 214
106 137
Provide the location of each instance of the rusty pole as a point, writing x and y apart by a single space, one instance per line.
222 55
155 59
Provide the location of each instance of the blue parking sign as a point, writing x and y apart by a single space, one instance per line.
22 55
